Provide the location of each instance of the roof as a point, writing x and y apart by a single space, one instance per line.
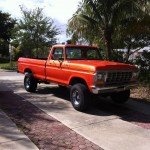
71 45
145 49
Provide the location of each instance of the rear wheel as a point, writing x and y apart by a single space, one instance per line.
79 97
30 83
121 97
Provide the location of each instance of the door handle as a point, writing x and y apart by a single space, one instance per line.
51 62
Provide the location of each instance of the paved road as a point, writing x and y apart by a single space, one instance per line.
108 125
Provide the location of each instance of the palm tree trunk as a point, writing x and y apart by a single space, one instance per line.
128 53
108 43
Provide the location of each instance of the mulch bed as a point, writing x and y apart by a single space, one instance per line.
45 131
142 93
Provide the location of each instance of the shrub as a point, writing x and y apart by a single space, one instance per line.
8 66
143 63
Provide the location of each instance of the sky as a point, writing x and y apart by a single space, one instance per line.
59 10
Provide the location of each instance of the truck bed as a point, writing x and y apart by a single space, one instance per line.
36 65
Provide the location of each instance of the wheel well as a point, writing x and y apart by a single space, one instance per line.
27 70
76 80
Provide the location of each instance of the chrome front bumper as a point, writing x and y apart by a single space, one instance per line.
111 89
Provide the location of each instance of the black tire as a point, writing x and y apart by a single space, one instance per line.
30 83
121 97
79 97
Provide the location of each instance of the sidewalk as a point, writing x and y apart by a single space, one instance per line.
47 132
10 137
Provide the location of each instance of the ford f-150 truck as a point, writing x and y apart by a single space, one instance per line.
80 68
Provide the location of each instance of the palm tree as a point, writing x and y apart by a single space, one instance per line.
99 18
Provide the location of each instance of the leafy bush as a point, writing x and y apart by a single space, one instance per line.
9 66
143 63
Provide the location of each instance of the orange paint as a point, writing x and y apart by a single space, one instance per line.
62 71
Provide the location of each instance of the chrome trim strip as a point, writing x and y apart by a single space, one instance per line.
98 90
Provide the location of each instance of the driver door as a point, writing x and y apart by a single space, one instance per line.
54 65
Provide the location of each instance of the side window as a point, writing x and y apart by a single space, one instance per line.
58 54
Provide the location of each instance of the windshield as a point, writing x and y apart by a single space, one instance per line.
75 53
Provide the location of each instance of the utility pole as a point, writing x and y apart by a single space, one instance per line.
10 54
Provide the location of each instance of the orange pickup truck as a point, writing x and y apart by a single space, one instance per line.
80 68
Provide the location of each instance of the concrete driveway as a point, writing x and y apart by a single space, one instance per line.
108 125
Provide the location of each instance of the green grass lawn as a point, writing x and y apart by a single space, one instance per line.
8 66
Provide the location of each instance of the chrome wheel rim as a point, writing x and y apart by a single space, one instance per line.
27 83
76 97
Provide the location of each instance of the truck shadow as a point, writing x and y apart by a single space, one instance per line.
124 112
56 91
98 106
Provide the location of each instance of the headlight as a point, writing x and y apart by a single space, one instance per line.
100 78
101 75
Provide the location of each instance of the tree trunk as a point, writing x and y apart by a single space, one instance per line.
108 43
128 53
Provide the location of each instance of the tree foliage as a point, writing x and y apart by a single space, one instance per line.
97 20
143 62
6 27
34 33
133 33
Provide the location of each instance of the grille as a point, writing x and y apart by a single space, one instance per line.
118 77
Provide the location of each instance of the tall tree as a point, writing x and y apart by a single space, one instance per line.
6 27
100 17
133 34
35 32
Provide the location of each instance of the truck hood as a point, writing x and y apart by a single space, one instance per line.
94 65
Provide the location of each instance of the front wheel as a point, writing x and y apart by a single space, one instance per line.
121 97
79 97
30 83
